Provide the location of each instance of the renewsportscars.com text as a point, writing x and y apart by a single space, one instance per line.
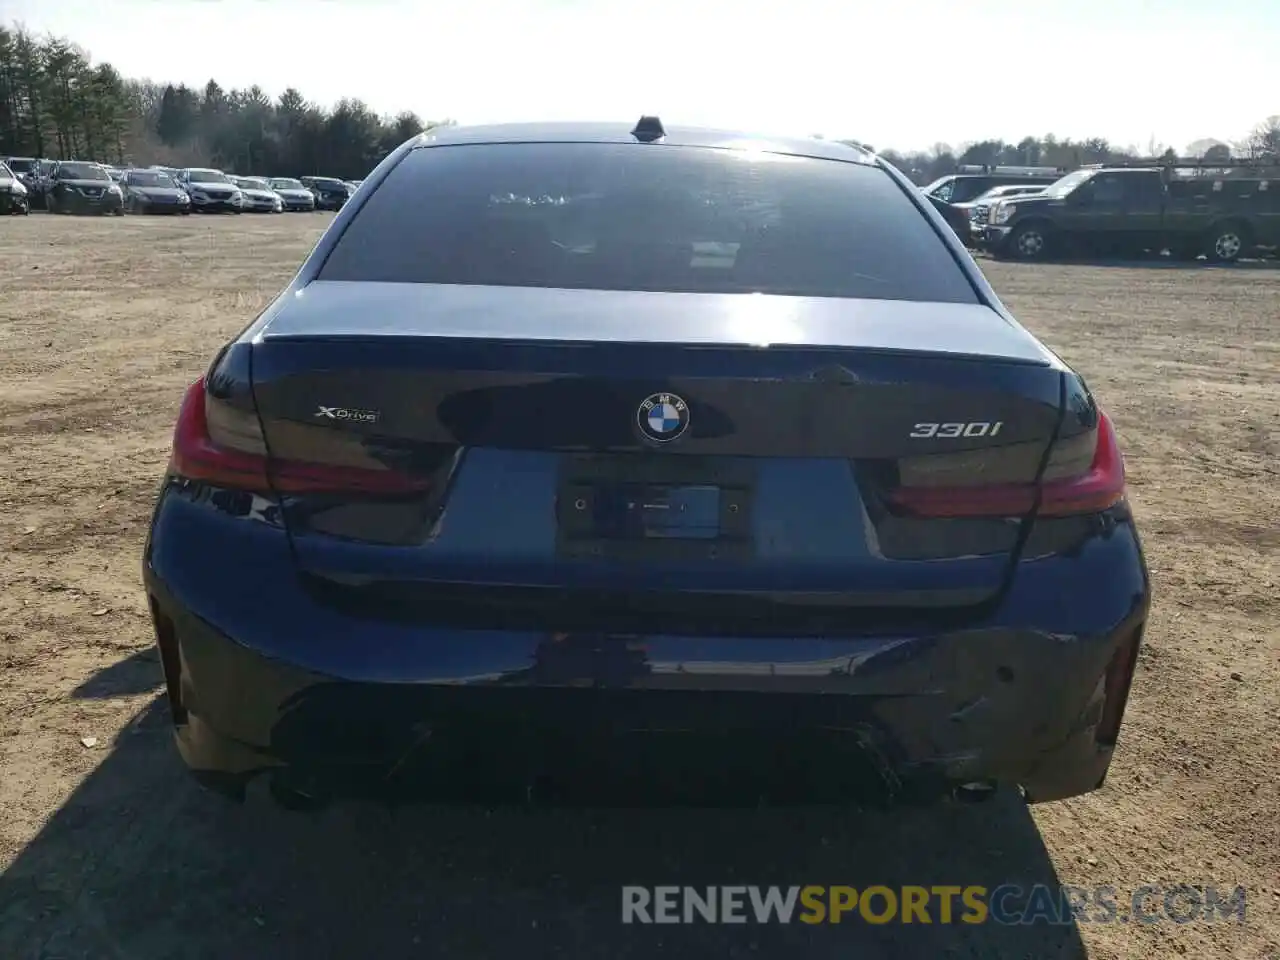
1005 904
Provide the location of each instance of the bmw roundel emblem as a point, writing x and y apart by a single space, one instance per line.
662 417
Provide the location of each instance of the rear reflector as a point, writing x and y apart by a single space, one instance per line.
218 444
1072 485
1118 680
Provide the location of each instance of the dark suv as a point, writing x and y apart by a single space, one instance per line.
81 186
330 192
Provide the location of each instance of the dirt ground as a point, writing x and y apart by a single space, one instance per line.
109 851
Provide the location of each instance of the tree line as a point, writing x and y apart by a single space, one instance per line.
925 166
56 103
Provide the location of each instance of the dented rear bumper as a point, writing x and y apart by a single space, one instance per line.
261 676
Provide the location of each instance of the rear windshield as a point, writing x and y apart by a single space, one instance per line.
149 178
646 217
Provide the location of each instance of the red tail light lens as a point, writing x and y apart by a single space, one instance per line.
233 455
1072 485
1099 487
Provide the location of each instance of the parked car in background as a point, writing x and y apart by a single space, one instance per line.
258 195
82 186
14 197
33 174
211 191
980 205
26 169
976 211
954 216
1188 207
330 193
294 194
44 182
972 181
153 191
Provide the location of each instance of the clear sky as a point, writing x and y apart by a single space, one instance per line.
895 73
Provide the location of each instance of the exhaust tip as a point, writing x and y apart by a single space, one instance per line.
978 791
296 795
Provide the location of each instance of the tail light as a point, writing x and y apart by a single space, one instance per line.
224 446
1085 474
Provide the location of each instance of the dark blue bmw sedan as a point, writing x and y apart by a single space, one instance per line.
666 447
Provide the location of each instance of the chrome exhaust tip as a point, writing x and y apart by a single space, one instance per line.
978 791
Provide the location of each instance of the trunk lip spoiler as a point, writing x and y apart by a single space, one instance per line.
300 337
346 310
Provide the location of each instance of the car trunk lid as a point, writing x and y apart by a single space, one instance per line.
523 462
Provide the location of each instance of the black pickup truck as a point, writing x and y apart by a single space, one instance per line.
1121 211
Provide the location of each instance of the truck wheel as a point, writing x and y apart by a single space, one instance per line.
1227 242
1028 242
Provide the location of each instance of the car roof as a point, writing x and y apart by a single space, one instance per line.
622 133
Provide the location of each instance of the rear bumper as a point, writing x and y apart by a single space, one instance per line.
261 675
215 206
152 205
78 203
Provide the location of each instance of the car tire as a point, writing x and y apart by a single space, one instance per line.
1227 242
1029 241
